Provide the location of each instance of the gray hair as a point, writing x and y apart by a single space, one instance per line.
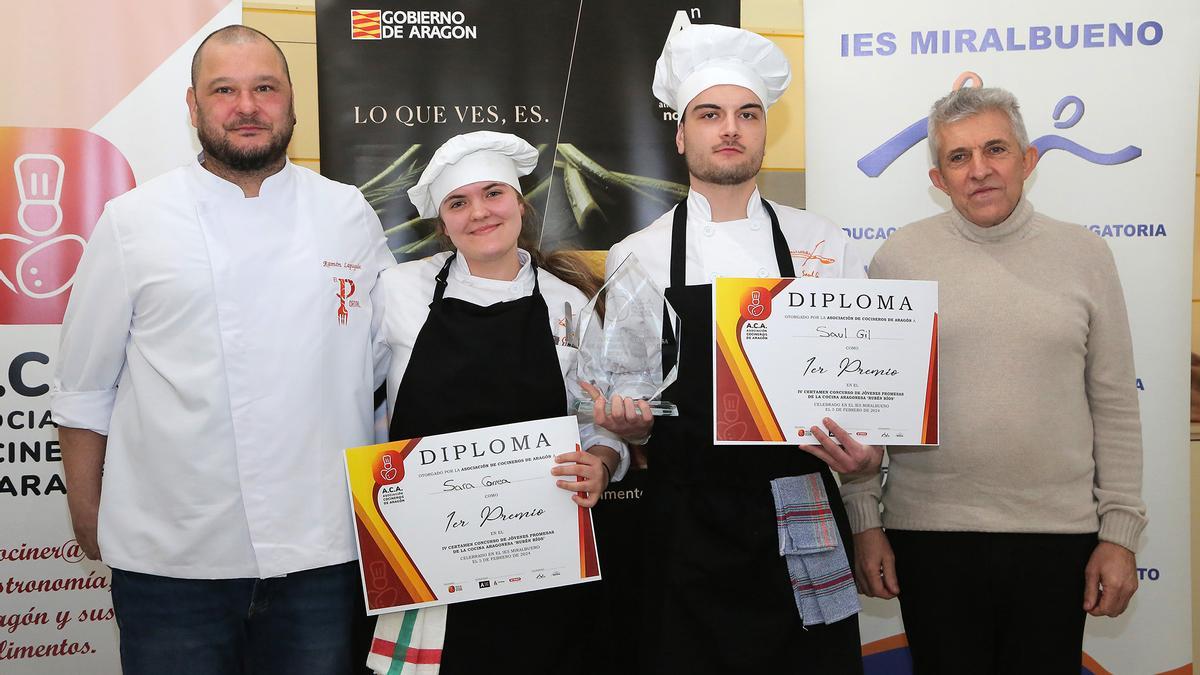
967 102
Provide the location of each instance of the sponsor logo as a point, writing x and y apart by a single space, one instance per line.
514 580
801 432
875 162
364 24
485 584
407 24
60 181
860 433
454 588
756 304
388 468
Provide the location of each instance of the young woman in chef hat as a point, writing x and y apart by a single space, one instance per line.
478 337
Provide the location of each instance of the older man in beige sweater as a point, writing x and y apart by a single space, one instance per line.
1026 517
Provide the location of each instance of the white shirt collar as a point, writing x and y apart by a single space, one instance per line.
700 211
461 273
213 186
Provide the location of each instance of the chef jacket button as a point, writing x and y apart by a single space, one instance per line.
754 227
762 271
708 230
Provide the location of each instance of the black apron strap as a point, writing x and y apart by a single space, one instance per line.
679 246
783 254
439 282
670 332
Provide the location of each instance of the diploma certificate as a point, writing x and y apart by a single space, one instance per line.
468 515
789 352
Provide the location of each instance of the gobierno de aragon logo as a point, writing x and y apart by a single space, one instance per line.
53 187
365 24
410 24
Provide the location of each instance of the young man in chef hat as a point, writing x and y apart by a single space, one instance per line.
721 597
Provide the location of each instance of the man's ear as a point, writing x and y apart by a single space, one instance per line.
935 177
191 104
1030 160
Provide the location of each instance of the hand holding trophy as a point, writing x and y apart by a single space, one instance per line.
628 341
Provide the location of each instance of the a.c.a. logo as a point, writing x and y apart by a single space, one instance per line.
756 304
388 468
59 182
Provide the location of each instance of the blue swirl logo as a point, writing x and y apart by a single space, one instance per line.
878 160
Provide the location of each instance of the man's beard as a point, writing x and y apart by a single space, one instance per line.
709 172
249 160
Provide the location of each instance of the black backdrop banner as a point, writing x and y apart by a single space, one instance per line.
572 78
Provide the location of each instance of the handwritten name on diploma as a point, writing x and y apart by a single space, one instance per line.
844 333
491 514
487 481
847 365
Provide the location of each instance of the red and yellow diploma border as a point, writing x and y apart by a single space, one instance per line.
732 362
375 535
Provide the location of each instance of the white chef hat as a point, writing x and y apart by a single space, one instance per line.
706 55
470 158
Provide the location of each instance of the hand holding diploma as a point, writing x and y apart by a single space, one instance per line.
592 470
850 457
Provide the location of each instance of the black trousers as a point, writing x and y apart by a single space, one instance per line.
983 602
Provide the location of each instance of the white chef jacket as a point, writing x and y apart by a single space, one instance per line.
407 290
224 346
740 248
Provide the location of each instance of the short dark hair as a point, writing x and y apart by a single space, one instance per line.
234 34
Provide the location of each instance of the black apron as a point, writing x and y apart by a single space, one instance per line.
719 598
472 367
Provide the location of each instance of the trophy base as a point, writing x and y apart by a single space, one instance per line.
657 408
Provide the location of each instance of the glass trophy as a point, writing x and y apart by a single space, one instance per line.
628 341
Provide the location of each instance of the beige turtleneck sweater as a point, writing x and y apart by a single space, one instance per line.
1039 407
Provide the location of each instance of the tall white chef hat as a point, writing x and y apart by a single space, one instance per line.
470 158
705 55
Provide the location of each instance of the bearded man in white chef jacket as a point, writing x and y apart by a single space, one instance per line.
216 358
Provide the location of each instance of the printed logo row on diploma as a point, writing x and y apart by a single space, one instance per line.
468 515
789 352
